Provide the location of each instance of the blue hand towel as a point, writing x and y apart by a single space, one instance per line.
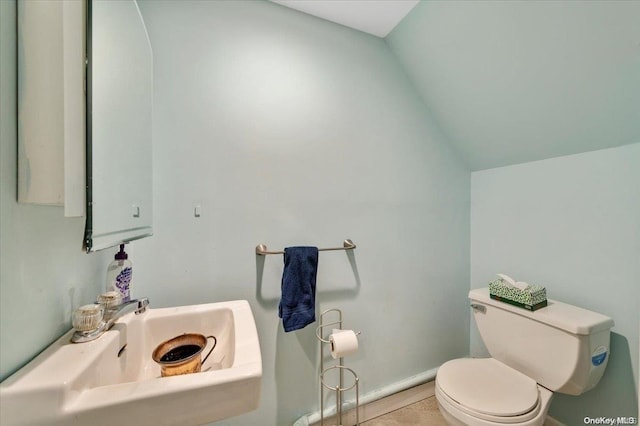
297 305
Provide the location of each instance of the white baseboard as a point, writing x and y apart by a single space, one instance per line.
386 405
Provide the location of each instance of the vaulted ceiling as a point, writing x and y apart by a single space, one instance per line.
518 81
377 17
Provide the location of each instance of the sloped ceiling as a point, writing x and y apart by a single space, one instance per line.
512 81
376 17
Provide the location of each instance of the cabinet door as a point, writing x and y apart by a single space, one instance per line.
51 103
120 148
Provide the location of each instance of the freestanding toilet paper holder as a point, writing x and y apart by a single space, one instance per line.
340 368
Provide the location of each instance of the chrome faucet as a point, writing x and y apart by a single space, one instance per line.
139 306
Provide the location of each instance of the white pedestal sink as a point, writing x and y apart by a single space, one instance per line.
113 380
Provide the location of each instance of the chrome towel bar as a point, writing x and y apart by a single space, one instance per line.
261 249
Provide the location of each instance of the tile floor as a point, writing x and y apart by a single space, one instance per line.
423 412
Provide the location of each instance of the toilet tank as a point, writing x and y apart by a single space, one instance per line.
562 347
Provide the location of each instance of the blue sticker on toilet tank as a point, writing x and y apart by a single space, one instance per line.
599 355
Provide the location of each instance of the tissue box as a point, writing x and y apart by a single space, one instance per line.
532 298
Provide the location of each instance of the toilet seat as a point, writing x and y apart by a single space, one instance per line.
487 389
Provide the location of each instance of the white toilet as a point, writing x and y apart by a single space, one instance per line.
559 348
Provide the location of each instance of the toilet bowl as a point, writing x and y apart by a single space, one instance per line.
560 348
485 392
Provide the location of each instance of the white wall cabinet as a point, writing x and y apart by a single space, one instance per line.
51 103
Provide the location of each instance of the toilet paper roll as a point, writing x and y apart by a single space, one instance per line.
343 343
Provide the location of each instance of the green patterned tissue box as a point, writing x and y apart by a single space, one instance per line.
533 297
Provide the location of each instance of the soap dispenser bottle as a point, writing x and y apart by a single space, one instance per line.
119 275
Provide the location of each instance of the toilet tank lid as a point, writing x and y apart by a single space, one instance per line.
567 317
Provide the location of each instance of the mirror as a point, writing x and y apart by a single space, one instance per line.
119 120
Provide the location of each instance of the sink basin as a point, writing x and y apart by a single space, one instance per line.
113 379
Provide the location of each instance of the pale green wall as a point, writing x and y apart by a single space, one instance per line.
571 224
44 274
290 130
